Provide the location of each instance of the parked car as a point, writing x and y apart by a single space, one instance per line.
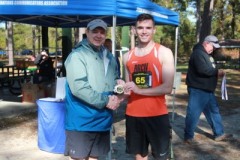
26 52
2 52
52 54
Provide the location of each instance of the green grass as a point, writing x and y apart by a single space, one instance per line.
182 68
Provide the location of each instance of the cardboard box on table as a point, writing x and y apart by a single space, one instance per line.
49 89
32 92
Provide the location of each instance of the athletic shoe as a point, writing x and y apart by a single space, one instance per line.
191 142
224 137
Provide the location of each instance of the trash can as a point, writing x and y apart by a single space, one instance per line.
51 132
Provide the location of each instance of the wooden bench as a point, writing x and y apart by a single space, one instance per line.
12 77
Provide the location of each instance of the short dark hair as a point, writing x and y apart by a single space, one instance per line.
145 16
45 49
108 40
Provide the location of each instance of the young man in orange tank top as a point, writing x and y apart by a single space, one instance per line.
149 73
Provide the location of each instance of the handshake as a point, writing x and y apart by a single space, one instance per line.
121 93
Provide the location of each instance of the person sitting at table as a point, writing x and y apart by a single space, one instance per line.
45 72
31 58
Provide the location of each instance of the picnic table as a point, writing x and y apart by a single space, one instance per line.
13 76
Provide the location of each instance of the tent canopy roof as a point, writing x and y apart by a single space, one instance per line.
77 13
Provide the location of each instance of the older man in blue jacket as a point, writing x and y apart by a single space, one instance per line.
91 74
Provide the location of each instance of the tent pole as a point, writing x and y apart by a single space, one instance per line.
56 45
176 47
174 91
175 73
113 34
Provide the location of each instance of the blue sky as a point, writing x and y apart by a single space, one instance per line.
2 24
192 10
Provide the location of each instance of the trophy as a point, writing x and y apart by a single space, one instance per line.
119 89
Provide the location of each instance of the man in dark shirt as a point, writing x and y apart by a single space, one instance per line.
45 72
202 77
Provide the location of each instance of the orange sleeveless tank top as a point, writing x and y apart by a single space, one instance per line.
146 72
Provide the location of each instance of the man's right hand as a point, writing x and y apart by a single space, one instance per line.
221 73
114 102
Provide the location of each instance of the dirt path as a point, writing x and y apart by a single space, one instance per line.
208 149
18 136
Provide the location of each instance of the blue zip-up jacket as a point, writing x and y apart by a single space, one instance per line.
88 87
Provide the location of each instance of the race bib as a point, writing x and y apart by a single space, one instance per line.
142 79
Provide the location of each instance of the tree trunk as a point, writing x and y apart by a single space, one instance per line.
9 40
44 37
66 46
233 19
199 20
206 19
38 38
34 39
222 18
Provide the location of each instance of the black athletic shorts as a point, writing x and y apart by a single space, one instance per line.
87 144
144 131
